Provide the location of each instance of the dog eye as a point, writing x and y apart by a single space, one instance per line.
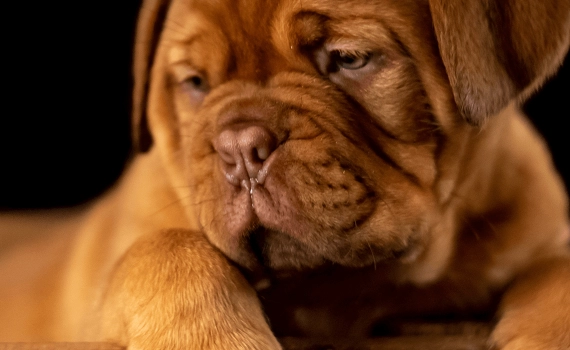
196 86
196 82
349 60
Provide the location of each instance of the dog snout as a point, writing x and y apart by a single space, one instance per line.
243 149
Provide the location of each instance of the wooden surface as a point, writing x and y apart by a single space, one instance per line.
59 346
413 335
392 343
421 336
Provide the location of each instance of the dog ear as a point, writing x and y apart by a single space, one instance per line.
497 50
149 26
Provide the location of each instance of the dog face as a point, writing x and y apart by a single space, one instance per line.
302 133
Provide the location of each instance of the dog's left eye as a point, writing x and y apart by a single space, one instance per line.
349 60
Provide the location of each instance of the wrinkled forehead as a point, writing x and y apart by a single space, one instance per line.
254 23
257 38
219 34
236 21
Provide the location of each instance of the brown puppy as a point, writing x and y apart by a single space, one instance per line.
318 153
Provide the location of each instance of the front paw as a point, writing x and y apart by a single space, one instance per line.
535 312
173 290
526 337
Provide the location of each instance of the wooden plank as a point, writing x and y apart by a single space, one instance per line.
60 346
413 335
391 343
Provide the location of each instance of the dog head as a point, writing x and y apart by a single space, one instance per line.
301 133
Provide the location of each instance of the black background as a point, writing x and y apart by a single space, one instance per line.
64 129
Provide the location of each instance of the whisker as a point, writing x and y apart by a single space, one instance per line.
373 257
177 201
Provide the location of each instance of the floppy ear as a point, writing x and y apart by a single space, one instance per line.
496 50
149 25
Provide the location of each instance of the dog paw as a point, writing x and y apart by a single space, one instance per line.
518 331
535 312
163 296
524 342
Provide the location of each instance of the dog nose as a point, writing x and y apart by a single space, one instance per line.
243 151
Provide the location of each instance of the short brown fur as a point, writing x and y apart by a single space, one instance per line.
377 198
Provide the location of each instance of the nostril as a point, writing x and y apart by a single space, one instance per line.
262 153
227 156
227 147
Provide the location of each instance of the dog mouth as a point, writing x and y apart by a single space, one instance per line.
273 232
278 253
259 244
284 215
273 255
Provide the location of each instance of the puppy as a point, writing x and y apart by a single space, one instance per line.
339 163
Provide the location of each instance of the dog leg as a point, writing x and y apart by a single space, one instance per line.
173 290
535 311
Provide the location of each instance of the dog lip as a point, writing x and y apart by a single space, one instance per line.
254 266
256 242
259 270
267 164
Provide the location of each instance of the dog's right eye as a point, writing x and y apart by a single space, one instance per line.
197 87
192 82
196 82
